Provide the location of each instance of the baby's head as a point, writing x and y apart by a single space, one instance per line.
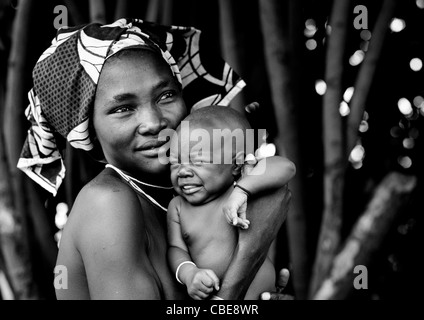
207 153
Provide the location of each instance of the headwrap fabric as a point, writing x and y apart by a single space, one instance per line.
66 76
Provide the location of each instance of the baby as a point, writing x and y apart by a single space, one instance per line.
201 231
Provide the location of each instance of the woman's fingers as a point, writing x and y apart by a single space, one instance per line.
282 280
251 107
276 296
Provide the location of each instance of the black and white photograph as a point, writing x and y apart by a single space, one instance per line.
223 157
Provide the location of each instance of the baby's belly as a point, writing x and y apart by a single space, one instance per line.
216 257
211 242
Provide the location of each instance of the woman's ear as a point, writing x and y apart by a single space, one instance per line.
238 162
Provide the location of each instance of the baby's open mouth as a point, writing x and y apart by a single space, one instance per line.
190 188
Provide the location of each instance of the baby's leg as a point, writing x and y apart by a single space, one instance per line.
263 281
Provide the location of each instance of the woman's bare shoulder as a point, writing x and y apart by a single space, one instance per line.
105 204
103 190
107 226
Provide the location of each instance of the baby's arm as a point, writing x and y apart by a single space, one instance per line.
270 174
199 282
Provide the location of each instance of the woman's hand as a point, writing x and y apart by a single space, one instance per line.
283 279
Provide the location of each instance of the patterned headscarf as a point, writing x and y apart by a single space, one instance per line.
66 75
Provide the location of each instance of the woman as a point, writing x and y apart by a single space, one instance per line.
114 103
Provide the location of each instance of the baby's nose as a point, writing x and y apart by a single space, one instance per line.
185 171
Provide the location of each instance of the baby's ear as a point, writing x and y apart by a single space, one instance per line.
238 162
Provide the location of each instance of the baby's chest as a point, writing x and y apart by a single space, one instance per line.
204 228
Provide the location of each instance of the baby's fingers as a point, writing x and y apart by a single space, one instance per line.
199 295
214 279
241 223
230 214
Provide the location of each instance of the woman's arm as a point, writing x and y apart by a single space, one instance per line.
112 244
267 213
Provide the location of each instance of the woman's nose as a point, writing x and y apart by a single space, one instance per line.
184 171
151 121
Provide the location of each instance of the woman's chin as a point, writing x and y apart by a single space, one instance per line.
157 171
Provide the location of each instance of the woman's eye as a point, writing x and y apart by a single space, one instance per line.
167 95
122 109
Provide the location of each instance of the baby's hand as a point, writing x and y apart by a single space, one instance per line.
249 163
202 283
235 209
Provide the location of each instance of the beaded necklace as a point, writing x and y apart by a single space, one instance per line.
132 183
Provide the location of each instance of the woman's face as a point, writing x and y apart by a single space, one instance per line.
137 97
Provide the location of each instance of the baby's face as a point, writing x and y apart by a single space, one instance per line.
194 173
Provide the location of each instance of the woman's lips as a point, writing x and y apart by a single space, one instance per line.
151 148
150 145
